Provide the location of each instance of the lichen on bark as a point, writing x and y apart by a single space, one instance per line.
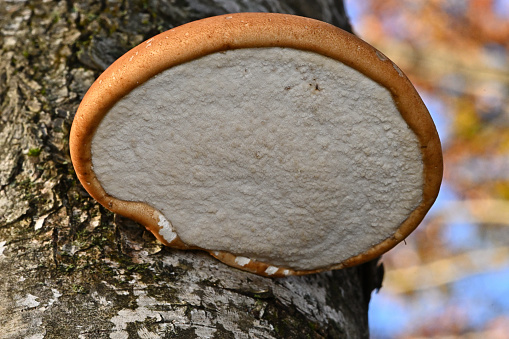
71 269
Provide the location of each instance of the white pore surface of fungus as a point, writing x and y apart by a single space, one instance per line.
274 154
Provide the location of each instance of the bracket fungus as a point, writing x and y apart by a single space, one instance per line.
279 144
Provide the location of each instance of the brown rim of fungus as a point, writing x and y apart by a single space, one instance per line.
251 30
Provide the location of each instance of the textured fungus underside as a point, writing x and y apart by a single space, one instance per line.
275 154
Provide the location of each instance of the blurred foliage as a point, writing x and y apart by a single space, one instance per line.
456 52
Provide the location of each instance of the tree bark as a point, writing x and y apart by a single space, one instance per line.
71 269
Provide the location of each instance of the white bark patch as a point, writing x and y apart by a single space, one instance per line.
56 295
144 333
2 247
29 301
100 299
204 327
36 336
295 294
284 156
129 316
172 316
148 308
40 222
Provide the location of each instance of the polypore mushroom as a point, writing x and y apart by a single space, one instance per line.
279 144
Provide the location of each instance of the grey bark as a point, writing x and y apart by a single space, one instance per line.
71 269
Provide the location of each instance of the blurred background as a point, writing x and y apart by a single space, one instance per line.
451 277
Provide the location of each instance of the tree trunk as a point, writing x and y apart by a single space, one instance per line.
71 269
